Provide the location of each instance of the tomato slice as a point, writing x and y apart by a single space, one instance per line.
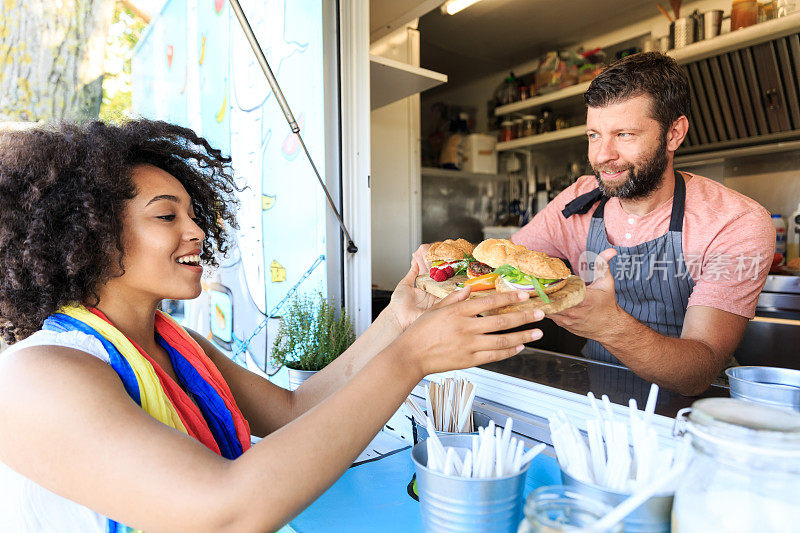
482 283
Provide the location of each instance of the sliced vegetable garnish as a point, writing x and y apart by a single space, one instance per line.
481 283
517 277
540 291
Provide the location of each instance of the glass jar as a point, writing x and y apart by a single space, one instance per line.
529 125
744 13
744 470
517 128
557 509
506 131
546 123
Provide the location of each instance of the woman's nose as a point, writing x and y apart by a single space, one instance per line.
194 232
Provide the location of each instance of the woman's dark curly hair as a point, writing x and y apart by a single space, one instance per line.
63 189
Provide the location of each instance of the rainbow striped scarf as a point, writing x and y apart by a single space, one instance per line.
213 417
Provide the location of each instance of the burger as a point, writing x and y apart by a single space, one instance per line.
519 269
449 258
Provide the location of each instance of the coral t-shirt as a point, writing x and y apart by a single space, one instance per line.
728 238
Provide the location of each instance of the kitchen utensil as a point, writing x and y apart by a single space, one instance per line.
777 387
664 12
676 8
712 23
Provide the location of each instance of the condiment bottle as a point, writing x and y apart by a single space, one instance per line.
506 131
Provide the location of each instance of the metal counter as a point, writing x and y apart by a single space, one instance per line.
581 375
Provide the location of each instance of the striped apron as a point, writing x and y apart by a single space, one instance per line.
651 280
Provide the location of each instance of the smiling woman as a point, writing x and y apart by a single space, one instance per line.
65 192
99 224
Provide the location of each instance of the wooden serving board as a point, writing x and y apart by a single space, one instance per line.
568 296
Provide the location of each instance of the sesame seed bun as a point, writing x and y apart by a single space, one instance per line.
496 252
449 250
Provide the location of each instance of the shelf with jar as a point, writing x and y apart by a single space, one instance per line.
573 132
745 36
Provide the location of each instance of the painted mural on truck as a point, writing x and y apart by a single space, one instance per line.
194 67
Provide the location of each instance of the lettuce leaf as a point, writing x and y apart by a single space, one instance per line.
515 275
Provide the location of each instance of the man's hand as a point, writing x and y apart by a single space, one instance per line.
407 301
419 258
599 310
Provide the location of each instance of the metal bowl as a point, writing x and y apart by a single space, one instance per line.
777 387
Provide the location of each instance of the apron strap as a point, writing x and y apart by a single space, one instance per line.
678 204
582 204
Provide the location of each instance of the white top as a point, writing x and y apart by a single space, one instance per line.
26 507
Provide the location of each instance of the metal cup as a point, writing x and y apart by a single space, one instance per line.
683 31
653 516
712 23
480 420
466 505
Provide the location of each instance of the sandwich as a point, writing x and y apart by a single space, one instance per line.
518 269
449 258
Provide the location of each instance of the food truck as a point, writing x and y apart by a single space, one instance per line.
429 120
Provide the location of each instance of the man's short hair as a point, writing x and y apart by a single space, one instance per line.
650 73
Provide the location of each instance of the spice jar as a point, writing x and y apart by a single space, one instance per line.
743 13
744 470
517 128
546 123
529 125
506 131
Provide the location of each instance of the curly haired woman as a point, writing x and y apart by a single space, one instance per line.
111 413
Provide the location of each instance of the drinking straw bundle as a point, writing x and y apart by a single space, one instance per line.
495 453
616 455
449 405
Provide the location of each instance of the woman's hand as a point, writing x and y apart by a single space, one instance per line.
450 336
418 257
409 302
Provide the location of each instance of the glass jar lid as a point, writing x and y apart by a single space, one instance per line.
736 423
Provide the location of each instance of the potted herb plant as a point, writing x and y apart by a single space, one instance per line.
312 333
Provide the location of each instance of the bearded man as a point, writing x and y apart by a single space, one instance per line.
677 260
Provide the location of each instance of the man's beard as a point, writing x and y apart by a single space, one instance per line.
643 178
